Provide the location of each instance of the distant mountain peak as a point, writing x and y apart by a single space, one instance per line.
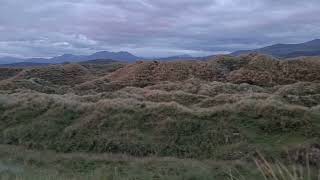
124 52
310 48
100 52
119 56
315 41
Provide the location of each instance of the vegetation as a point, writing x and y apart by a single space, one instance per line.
145 122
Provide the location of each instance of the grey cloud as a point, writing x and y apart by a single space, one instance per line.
152 27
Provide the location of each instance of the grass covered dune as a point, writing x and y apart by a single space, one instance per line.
108 125
141 121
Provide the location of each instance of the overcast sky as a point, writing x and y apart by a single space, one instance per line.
44 28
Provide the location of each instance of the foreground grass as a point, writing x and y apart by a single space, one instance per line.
28 164
18 163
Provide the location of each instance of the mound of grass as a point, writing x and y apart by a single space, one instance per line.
252 69
6 73
143 122
68 74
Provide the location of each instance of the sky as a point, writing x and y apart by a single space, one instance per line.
149 28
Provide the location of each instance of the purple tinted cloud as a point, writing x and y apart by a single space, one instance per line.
41 28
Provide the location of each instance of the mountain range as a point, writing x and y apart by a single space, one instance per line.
118 56
121 56
310 48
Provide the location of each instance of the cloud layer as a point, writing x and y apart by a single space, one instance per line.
42 28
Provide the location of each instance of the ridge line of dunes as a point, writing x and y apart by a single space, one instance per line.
252 69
